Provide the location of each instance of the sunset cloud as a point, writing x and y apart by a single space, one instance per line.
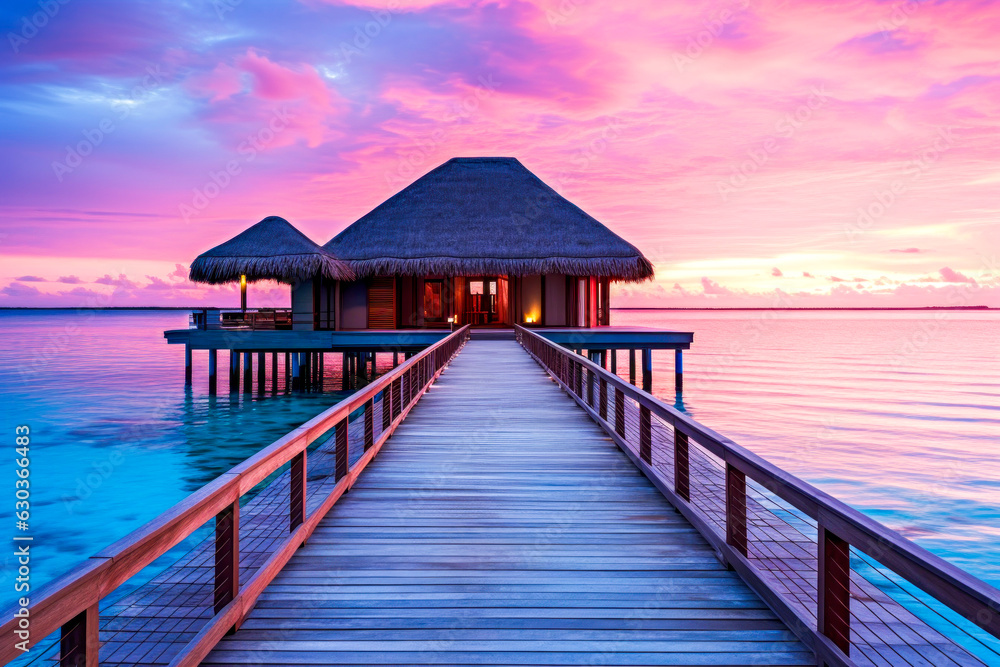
722 145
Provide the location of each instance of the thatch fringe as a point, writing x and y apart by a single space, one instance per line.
483 216
626 269
272 249
218 270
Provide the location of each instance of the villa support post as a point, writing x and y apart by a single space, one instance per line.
647 370
274 372
297 492
395 359
296 370
227 556
343 371
79 640
234 371
614 362
679 371
247 372
631 366
834 589
321 369
213 371
261 372
288 371
187 366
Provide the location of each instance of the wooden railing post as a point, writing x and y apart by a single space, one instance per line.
386 407
369 423
620 413
340 449
589 376
682 475
834 589
227 555
577 379
80 640
645 434
603 399
397 397
736 509
297 491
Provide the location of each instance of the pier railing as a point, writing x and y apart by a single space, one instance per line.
255 319
846 584
70 604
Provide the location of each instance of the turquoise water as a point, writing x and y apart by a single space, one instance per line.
896 413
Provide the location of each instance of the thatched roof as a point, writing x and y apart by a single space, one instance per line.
486 215
270 250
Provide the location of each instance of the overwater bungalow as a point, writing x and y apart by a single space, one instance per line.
479 240
485 242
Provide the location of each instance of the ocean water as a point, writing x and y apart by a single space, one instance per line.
896 413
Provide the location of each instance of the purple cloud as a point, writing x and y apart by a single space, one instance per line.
69 280
949 275
32 279
19 290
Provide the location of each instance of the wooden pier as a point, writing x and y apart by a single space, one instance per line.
512 502
502 526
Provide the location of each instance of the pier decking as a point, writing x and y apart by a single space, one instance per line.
500 525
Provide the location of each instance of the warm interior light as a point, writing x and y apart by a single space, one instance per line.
528 319
243 281
451 320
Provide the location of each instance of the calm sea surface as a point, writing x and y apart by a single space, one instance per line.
896 413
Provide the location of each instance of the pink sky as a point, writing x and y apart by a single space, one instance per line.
761 154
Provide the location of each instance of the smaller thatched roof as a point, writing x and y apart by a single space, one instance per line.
270 250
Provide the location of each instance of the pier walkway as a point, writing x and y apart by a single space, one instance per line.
500 525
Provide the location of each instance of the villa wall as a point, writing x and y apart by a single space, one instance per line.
354 305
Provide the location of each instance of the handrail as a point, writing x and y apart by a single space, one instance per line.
839 526
71 601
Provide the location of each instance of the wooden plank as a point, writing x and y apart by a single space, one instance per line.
497 526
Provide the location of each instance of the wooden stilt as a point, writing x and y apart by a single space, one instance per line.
261 372
247 372
614 361
296 371
345 369
234 371
274 372
213 371
679 371
288 371
322 359
187 366
647 370
631 366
